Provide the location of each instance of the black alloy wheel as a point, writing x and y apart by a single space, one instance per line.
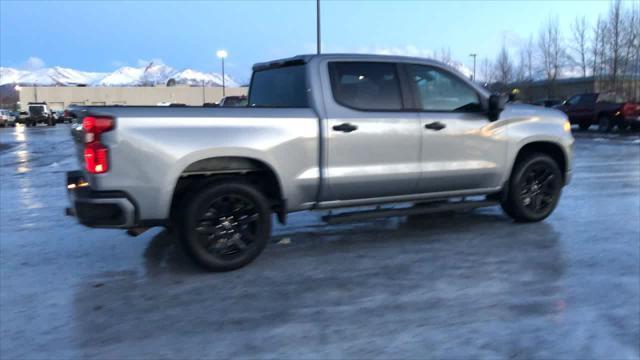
534 189
538 188
226 226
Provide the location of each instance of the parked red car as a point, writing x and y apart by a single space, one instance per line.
604 109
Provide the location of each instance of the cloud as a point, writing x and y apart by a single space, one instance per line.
117 64
34 63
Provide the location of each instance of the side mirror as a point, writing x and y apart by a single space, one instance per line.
496 105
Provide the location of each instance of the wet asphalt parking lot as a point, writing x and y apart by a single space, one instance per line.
465 285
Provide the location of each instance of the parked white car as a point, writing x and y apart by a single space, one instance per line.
7 118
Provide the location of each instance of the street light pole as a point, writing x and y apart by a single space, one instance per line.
222 54
474 65
318 25
223 86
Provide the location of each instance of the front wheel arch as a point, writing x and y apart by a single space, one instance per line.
551 149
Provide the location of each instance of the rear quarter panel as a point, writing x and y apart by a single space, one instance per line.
150 148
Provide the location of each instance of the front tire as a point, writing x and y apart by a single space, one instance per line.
534 188
225 226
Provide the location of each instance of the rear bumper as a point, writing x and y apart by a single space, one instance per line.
105 209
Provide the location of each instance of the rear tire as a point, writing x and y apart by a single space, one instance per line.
225 226
605 124
534 188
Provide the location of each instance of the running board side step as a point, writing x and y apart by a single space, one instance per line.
414 210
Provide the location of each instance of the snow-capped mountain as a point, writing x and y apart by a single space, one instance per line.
48 76
153 74
193 77
9 75
123 76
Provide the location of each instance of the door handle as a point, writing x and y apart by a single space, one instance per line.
436 125
345 127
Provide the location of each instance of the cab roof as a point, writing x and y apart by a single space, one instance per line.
304 59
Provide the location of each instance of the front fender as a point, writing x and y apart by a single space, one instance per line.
540 126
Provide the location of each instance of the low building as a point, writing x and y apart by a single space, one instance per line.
58 98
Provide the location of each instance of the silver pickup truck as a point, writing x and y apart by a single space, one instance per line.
320 132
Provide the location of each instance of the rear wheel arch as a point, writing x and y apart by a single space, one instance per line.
252 171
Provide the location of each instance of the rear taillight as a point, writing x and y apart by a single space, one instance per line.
629 109
96 154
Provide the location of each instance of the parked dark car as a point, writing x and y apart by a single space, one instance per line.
58 116
604 109
68 116
233 101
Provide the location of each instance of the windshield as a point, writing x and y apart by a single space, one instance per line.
279 87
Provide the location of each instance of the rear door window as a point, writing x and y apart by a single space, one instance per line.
373 86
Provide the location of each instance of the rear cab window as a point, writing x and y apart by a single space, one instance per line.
368 86
279 87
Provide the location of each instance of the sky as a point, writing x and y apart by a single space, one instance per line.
104 35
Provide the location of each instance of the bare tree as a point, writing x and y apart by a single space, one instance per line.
520 72
504 66
551 53
596 60
486 69
635 46
615 40
529 56
580 39
602 46
445 55
524 70
630 38
630 52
